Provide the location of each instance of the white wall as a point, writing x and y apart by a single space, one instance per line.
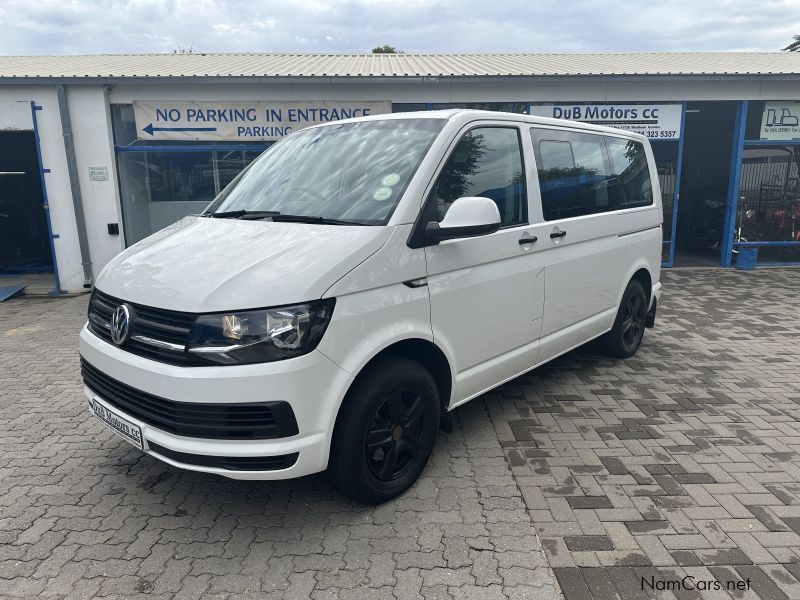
15 115
91 126
90 114
513 90
59 195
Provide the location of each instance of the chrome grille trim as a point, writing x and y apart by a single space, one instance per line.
159 343
155 333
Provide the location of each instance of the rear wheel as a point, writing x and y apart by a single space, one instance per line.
626 335
385 431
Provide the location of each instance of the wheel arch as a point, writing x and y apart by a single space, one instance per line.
420 350
642 275
640 272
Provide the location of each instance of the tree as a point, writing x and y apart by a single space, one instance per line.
386 49
794 46
184 50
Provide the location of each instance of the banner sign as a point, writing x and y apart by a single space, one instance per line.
780 121
255 121
655 121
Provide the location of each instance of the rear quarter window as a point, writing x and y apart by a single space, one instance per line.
632 187
585 173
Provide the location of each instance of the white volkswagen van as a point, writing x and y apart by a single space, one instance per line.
363 278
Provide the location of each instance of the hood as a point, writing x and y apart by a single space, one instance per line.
201 264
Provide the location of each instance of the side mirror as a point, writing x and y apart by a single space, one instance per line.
469 216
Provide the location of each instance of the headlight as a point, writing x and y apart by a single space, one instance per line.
254 336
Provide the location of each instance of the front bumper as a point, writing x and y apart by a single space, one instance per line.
312 384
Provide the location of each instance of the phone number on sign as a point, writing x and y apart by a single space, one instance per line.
661 134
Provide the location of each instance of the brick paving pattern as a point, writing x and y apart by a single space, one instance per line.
83 514
683 460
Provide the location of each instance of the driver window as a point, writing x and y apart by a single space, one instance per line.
486 162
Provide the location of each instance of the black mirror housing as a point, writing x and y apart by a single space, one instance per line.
435 233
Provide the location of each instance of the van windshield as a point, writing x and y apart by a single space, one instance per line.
354 172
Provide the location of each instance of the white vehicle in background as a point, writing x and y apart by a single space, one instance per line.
360 280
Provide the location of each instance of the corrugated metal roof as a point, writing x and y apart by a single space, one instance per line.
399 65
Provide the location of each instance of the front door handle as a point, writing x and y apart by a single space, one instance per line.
527 240
557 234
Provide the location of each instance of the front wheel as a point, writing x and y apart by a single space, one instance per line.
626 335
385 431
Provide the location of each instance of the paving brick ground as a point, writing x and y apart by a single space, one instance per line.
683 460
83 514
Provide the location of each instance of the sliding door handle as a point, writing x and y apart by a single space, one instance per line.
557 234
527 240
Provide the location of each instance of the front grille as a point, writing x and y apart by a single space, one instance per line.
230 463
241 421
169 326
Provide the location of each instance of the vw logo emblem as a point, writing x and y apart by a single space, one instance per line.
120 324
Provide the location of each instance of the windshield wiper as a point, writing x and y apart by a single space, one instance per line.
278 218
244 214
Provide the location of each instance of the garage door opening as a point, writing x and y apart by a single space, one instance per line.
24 238
704 184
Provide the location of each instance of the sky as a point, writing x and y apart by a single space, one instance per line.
93 26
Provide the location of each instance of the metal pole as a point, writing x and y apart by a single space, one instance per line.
678 174
74 184
733 184
42 171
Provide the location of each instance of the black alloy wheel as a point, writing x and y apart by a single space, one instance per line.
627 332
633 320
385 430
396 436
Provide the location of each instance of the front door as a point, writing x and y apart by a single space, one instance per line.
487 292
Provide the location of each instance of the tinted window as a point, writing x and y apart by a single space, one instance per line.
573 173
486 162
556 155
631 185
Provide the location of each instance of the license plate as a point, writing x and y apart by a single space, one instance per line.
119 425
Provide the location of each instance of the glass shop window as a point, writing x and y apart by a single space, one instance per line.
769 194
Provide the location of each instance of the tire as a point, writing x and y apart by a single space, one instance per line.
385 430
626 335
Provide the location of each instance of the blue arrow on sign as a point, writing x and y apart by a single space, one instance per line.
150 129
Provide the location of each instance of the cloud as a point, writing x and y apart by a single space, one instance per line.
93 26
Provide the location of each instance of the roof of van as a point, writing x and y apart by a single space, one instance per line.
203 65
465 115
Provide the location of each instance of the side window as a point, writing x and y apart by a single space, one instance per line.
631 186
574 173
486 162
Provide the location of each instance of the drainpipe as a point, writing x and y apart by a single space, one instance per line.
74 184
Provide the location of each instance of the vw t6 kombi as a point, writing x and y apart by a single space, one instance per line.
363 278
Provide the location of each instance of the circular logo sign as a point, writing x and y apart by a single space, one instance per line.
391 179
382 193
120 324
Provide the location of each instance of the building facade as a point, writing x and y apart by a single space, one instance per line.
97 152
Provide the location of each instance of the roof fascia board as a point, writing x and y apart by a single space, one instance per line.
393 79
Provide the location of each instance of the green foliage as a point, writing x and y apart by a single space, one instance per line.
185 50
558 173
386 49
794 46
